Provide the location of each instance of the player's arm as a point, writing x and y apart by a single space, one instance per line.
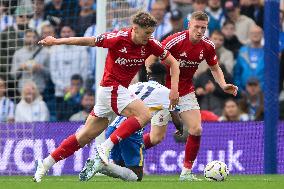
151 60
219 78
177 123
80 41
174 65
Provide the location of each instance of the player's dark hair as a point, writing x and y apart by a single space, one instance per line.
157 72
144 20
199 15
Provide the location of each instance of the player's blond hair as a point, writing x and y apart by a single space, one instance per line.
144 20
199 15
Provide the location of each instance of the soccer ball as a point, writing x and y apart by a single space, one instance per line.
216 171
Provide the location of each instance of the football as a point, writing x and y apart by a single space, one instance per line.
216 171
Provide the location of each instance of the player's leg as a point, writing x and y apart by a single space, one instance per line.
130 150
137 113
158 130
93 127
133 153
156 136
94 164
124 173
190 115
97 121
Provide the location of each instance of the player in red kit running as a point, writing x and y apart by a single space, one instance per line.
127 51
190 48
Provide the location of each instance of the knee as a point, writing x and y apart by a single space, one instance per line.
157 139
84 138
196 130
144 118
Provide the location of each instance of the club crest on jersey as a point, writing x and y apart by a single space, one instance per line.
183 54
143 52
201 55
123 50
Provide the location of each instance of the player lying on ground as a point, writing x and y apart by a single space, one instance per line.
128 155
127 51
190 48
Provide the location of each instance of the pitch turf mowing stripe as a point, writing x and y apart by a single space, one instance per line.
156 182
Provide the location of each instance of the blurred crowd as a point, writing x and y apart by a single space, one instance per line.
58 83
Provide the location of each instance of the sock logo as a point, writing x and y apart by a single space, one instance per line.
118 138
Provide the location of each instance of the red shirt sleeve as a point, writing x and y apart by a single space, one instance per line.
210 55
158 50
107 40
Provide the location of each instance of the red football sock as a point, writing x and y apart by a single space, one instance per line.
147 141
127 128
191 150
67 148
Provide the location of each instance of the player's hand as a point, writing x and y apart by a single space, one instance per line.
48 41
174 98
230 89
178 133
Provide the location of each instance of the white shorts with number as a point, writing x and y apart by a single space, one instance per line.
188 102
112 100
160 117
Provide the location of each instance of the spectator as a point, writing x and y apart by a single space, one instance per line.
65 61
185 6
163 26
176 20
231 41
37 20
6 105
232 112
209 95
216 15
225 56
61 12
250 62
87 103
86 18
5 19
47 30
11 38
252 101
255 11
208 116
31 62
243 23
31 108
73 96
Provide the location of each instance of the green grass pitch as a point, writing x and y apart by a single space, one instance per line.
153 182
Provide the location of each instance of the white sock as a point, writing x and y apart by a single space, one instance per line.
185 170
115 171
108 144
48 162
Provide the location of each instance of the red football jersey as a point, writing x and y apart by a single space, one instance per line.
125 58
189 56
